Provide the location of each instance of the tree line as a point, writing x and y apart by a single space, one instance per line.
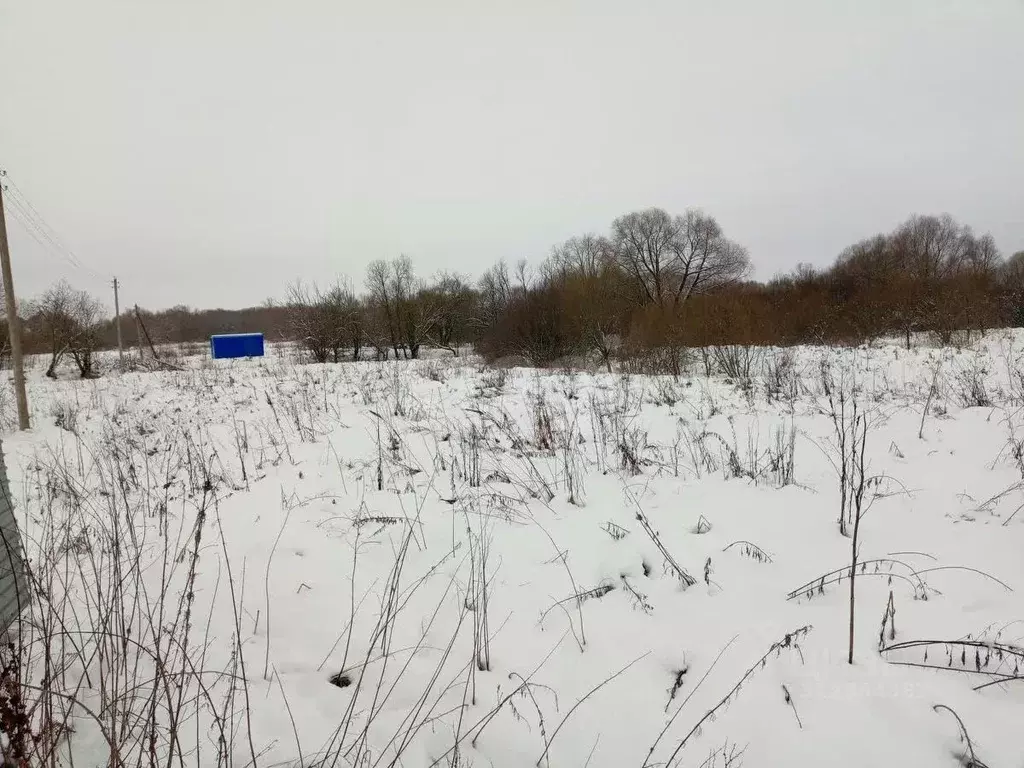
648 290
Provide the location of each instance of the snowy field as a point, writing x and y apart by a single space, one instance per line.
434 563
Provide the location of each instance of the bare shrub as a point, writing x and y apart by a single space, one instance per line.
781 379
111 648
782 456
65 414
666 392
969 384
573 465
849 425
8 409
656 361
858 490
632 447
702 459
776 463
492 382
738 362
69 320
543 423
434 371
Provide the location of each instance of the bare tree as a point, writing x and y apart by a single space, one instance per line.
1012 272
345 319
325 321
952 272
932 247
452 302
415 310
50 317
87 312
671 258
382 323
305 323
495 294
585 273
69 320
646 246
705 258
398 310
587 256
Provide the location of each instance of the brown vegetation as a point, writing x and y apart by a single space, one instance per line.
653 290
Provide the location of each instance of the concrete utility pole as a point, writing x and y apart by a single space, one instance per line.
117 322
13 321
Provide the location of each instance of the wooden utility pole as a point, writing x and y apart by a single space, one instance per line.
13 321
117 322
138 333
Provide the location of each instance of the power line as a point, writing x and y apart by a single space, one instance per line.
46 244
33 230
39 229
15 191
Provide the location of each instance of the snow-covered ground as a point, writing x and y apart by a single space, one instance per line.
434 563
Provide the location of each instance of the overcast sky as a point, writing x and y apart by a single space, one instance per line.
209 152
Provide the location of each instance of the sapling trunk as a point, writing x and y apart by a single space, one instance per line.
857 462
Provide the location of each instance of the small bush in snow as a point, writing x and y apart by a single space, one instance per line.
435 371
737 362
969 385
492 382
65 415
781 380
666 392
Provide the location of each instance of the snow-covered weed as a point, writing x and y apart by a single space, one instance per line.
115 647
65 414
969 385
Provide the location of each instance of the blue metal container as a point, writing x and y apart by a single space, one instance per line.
227 345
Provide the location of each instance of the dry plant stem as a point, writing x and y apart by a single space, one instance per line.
124 630
575 706
430 718
858 514
353 606
789 700
564 559
115 759
482 723
1007 679
788 641
291 717
684 577
266 581
836 576
754 548
928 403
416 712
389 615
650 751
1003 651
391 607
238 637
964 736
1001 583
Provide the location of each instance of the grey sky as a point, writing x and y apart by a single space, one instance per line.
209 152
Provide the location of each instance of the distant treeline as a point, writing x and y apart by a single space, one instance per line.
651 288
